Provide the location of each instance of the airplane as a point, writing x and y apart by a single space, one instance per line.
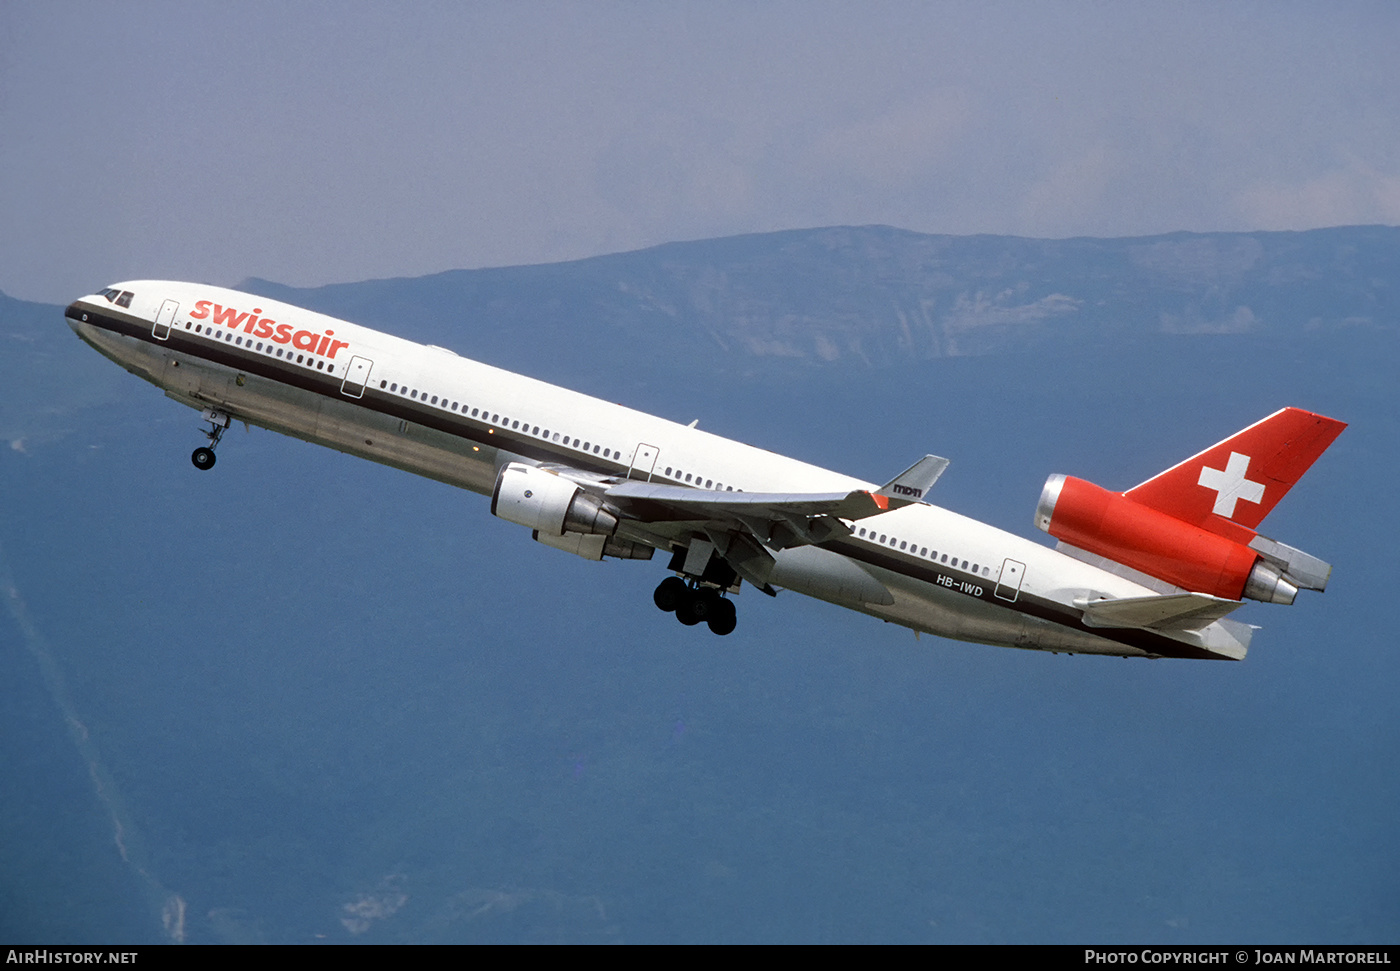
1149 572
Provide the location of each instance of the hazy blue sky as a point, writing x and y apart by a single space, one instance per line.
312 143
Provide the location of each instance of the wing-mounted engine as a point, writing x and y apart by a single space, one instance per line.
543 500
1193 525
561 513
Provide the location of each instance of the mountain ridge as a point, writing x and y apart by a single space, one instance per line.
874 296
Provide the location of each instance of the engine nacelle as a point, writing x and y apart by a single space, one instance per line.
1153 542
549 503
592 546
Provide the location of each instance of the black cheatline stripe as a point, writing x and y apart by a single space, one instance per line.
1032 606
318 382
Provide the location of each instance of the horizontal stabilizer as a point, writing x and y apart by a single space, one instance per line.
1177 611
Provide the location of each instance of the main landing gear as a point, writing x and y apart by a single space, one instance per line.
203 457
695 604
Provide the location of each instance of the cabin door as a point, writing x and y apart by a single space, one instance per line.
164 319
643 461
1009 583
356 377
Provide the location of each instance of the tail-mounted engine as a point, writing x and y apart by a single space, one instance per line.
561 514
1160 545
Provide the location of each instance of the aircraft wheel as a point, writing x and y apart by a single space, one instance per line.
669 593
707 604
724 619
688 609
203 459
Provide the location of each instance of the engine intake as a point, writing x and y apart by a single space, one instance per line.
549 503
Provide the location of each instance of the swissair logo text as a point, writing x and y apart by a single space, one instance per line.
323 345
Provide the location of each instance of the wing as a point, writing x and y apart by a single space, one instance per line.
777 519
744 527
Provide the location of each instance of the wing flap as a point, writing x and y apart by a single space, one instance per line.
700 503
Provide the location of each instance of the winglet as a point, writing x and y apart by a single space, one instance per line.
911 485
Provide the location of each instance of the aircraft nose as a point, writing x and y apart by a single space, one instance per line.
75 315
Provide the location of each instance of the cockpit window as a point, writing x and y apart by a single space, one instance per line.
122 298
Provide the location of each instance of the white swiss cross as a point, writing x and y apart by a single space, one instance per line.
1230 485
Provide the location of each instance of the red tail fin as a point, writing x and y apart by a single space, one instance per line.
1241 479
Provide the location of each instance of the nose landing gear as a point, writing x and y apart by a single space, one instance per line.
203 457
693 605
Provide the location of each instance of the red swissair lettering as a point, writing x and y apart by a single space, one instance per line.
324 345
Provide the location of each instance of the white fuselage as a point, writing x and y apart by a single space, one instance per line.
428 411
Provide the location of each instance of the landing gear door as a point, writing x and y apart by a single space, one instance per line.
643 462
164 319
1009 583
356 377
